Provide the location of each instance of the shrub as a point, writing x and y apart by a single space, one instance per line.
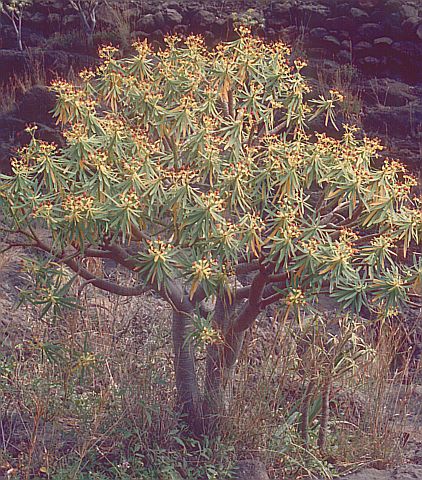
14 9
87 10
192 170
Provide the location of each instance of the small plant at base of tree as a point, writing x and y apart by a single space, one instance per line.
192 169
14 9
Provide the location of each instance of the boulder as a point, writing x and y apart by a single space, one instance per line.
383 42
332 42
369 474
203 19
173 17
370 31
280 9
408 10
318 33
419 32
367 4
36 105
160 21
340 23
12 63
312 14
410 25
388 92
250 470
359 14
393 121
146 23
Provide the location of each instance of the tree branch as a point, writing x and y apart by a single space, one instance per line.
252 308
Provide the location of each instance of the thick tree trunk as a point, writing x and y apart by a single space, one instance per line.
220 366
188 397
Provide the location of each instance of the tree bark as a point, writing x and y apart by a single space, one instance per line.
220 366
188 398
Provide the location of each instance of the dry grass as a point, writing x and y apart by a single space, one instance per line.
94 391
17 85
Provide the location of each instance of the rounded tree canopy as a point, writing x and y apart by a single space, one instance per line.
194 165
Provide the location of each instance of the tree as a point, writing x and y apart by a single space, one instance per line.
13 9
192 169
87 10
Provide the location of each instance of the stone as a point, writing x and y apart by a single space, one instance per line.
419 32
174 6
342 9
340 23
312 14
409 11
344 56
332 42
318 32
138 35
393 121
203 18
36 104
71 20
366 4
280 9
54 19
38 18
383 41
392 5
359 14
12 63
369 474
146 23
160 21
408 49
388 92
277 23
362 46
173 17
370 31
410 25
371 61
250 470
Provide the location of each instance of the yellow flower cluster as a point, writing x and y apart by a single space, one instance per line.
78 207
343 251
159 250
213 200
129 200
182 176
143 49
336 96
107 52
44 210
86 75
239 169
310 246
383 241
295 297
202 269
210 336
348 236
20 165
392 167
